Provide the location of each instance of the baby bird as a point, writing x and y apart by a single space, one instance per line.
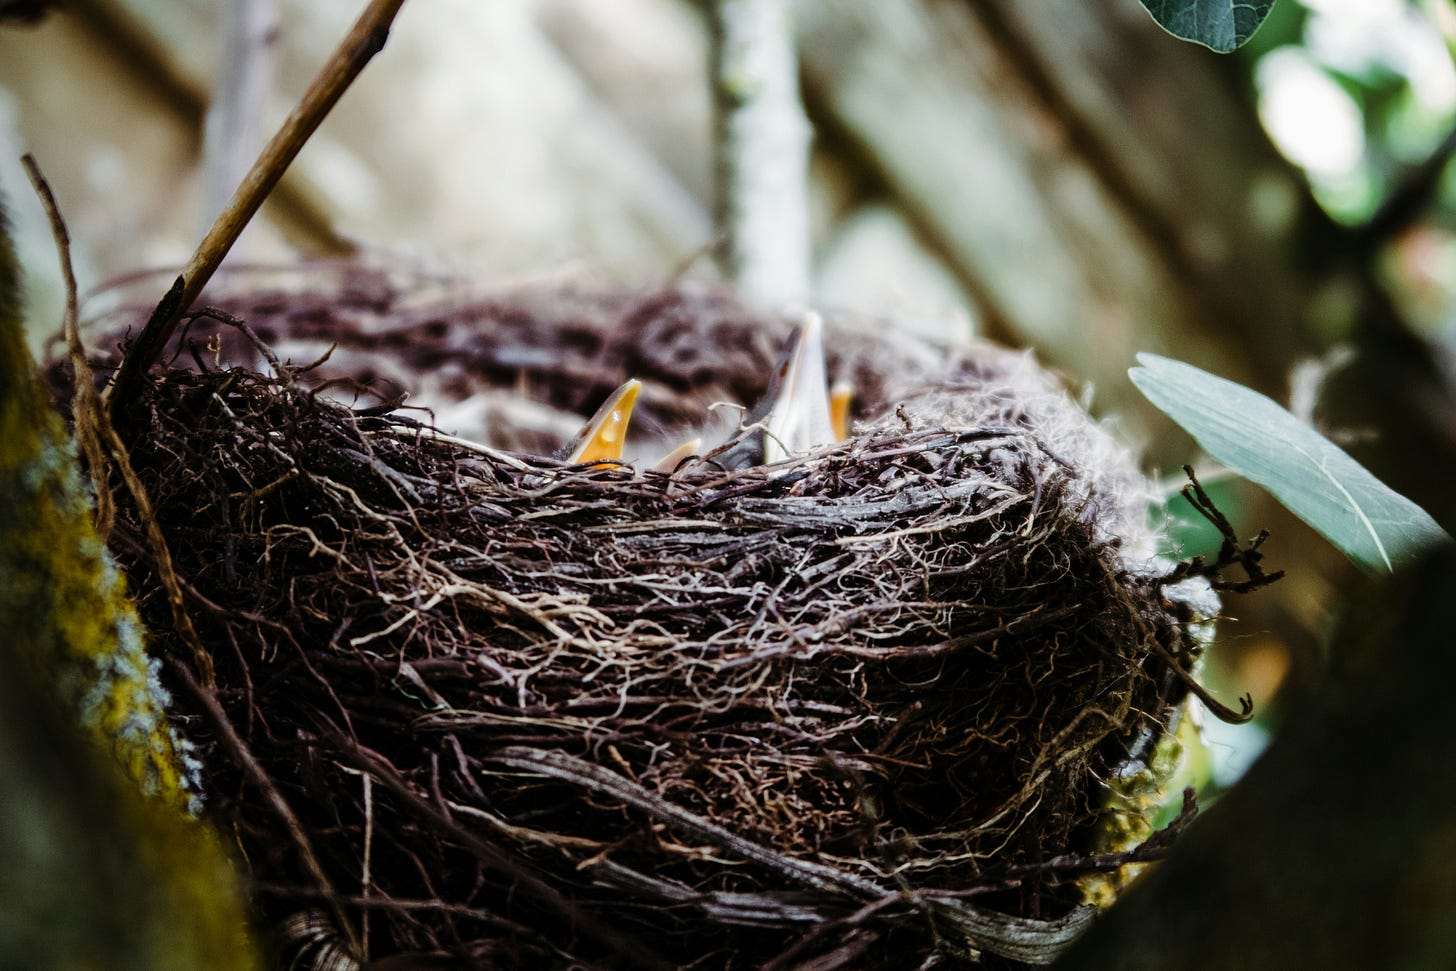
602 437
797 414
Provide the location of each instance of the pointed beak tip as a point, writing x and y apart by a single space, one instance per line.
679 455
603 436
799 418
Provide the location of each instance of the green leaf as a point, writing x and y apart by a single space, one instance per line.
1220 24
1314 479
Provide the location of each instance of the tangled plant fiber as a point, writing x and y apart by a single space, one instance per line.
850 710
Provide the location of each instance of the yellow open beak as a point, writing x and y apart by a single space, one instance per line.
799 418
601 438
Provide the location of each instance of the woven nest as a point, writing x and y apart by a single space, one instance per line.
844 711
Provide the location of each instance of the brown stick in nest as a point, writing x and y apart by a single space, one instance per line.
97 438
365 39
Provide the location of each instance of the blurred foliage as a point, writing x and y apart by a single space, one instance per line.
1388 67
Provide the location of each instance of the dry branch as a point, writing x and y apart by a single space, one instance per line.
365 39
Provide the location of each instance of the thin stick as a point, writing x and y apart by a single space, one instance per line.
365 39
88 436
100 443
368 853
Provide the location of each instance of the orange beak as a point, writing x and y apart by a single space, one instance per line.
601 438
840 398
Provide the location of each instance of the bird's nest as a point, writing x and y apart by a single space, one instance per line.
851 710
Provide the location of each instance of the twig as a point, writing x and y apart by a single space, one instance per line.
284 374
365 39
1230 552
88 435
98 439
1217 708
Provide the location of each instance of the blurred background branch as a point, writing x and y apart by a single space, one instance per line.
761 151
233 130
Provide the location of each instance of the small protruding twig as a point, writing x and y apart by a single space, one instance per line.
1215 707
1231 552
280 370
365 39
102 445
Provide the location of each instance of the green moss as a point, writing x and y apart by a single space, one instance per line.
54 569
1142 801
92 873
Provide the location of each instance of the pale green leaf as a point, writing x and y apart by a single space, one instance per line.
1220 24
1256 438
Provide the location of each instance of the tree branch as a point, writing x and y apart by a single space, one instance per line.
762 153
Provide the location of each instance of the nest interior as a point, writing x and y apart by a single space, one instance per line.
836 712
